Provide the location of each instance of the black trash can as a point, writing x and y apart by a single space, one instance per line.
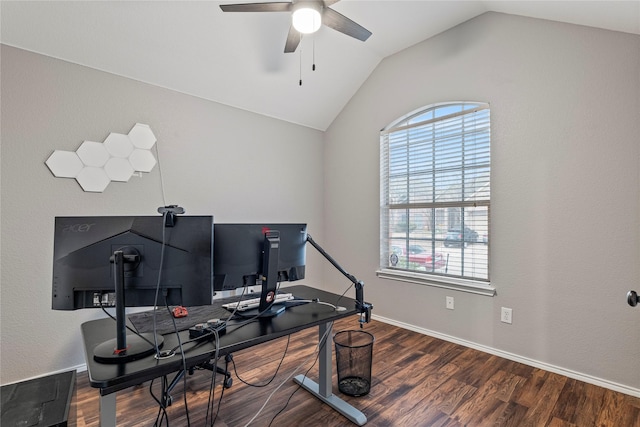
354 356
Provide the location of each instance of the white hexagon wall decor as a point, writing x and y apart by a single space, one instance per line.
93 179
118 169
142 137
93 154
95 164
64 164
118 145
142 160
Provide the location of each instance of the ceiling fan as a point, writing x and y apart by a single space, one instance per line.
307 16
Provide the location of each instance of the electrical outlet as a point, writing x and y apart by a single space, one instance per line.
506 315
449 303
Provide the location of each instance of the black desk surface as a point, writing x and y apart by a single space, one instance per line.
113 377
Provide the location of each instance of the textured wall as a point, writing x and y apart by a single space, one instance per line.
565 212
218 160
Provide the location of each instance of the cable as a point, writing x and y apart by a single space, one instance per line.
320 346
129 328
233 313
211 401
162 410
317 349
253 318
184 362
294 392
155 301
158 356
294 302
275 373
226 369
213 379
344 293
164 198
155 344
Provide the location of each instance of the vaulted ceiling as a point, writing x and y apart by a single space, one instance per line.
238 59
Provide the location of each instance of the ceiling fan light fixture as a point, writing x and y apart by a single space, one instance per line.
306 19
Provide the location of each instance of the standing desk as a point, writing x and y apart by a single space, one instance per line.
110 378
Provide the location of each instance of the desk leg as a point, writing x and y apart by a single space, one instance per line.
108 410
323 389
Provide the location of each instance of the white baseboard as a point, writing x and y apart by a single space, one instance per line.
517 358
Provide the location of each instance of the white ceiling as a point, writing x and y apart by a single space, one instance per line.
237 58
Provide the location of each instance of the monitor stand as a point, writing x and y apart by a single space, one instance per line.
125 348
136 348
270 257
255 312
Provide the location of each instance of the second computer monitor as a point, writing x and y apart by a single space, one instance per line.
239 253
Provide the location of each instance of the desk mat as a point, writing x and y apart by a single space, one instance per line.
143 322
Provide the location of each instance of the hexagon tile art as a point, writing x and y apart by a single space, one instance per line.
95 164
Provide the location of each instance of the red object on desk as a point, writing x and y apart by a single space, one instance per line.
180 311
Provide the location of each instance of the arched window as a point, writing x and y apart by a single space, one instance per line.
435 169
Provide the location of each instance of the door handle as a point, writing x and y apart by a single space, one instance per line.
632 298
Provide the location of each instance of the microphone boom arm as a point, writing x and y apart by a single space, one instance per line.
363 307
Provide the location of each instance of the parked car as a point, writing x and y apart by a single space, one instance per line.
455 237
418 255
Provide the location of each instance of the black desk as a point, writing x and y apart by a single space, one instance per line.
110 378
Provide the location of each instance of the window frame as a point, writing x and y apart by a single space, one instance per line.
474 285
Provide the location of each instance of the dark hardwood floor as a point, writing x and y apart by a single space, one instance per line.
416 381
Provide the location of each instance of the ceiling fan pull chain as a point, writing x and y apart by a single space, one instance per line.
300 68
313 67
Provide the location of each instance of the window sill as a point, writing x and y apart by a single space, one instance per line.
479 288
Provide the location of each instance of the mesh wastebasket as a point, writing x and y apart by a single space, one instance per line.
354 356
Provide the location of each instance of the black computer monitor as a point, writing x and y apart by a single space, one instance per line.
158 264
259 254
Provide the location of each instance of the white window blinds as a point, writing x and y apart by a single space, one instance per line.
435 192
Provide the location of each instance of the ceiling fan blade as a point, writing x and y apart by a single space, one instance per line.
328 3
257 7
293 40
338 22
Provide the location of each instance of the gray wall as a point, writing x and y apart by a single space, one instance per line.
565 212
212 158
